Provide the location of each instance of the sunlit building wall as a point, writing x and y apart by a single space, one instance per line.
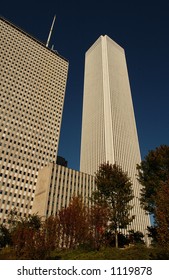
108 123
57 185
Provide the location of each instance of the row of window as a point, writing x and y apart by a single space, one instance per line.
52 67
16 187
38 162
17 205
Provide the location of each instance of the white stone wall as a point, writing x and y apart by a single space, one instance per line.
93 129
108 125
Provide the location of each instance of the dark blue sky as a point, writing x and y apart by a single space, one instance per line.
140 27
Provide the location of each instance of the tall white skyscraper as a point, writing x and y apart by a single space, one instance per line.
108 124
32 89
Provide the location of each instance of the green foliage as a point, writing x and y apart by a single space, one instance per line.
159 253
114 189
152 233
136 237
153 171
134 252
110 239
139 252
132 238
34 221
154 177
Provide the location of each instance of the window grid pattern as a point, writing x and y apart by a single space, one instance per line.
32 89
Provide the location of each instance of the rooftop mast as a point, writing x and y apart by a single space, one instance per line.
47 44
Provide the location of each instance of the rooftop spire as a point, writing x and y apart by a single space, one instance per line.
47 44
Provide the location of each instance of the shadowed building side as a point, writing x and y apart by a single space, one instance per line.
32 90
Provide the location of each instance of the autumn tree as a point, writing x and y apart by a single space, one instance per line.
39 242
51 231
98 223
114 188
23 241
23 233
73 223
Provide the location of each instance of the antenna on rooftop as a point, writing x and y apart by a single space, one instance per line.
50 33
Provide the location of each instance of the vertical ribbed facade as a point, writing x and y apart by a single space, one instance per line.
93 129
108 124
57 185
32 88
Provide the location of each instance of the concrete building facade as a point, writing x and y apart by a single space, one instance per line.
108 123
32 90
56 186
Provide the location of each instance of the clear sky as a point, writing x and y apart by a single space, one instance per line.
140 27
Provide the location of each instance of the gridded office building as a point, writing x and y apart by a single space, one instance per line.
32 88
56 186
108 124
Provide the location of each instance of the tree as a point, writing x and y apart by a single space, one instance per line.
34 221
110 239
24 234
13 219
153 171
23 240
154 177
98 223
5 236
114 188
73 223
51 231
152 233
33 242
136 237
162 214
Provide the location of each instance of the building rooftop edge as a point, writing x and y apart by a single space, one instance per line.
53 163
32 37
101 38
117 45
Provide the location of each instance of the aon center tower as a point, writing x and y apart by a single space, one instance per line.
109 131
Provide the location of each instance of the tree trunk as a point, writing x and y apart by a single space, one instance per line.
116 239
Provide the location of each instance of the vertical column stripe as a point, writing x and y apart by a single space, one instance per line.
107 105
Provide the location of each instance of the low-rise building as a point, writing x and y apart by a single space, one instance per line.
56 185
